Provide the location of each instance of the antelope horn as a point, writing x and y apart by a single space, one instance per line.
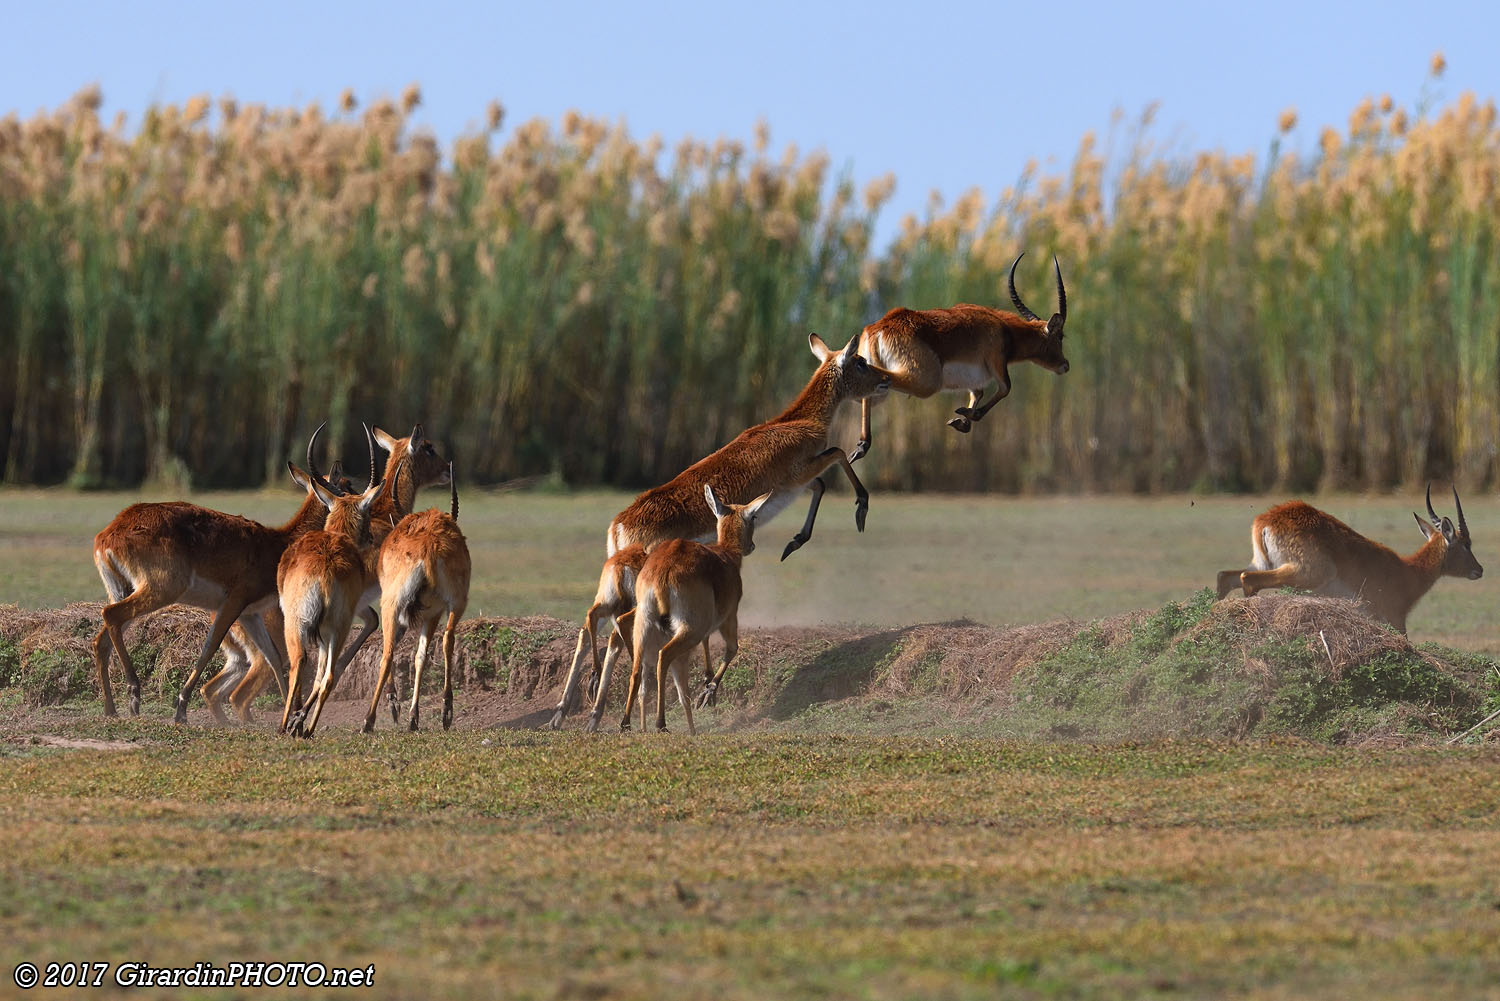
312 467
453 485
1463 526
370 440
1062 295
1430 512
402 466
1015 299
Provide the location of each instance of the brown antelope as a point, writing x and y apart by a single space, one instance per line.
1296 545
424 574
782 456
613 600
157 554
962 347
320 579
247 671
686 591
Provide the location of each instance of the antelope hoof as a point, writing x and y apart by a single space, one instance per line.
369 726
555 723
447 719
412 726
625 725
965 412
794 545
662 728
180 716
861 508
135 702
710 696
961 424
861 449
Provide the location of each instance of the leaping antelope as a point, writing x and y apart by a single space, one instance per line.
686 591
962 347
424 576
1296 545
782 457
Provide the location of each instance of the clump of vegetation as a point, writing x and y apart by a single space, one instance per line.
1281 664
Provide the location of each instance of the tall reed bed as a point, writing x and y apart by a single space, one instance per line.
184 300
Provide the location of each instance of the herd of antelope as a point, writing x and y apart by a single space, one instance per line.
672 573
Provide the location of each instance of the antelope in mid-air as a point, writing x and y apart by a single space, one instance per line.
782 457
1296 545
961 347
687 590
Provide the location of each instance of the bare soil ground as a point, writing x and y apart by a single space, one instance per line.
959 677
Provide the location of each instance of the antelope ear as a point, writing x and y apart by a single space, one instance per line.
326 496
819 349
713 501
1449 532
299 477
1055 325
753 508
369 498
1427 529
385 441
851 349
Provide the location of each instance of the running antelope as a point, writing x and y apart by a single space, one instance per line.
424 575
1296 545
157 554
686 591
320 579
613 601
782 456
962 347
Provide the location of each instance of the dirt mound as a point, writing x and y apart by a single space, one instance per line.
1279 663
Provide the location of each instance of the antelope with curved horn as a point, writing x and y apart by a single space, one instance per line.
246 670
1296 545
686 591
782 456
962 347
320 578
424 576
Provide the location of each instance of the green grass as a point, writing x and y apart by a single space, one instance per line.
928 558
542 865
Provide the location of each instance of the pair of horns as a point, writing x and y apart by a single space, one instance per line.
1463 526
312 467
1062 295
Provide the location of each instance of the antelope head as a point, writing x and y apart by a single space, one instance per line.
1052 359
854 378
1458 554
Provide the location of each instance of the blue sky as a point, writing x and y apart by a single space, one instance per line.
945 96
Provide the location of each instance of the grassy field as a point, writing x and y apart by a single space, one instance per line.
550 865
994 559
830 854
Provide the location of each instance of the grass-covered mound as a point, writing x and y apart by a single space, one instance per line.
1275 665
